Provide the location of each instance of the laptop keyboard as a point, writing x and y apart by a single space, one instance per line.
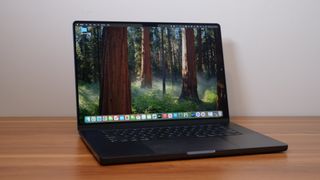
170 132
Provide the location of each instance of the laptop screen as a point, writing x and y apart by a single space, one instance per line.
129 72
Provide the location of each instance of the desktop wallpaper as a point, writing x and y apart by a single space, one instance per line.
130 69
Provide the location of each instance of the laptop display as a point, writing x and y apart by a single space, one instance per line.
129 72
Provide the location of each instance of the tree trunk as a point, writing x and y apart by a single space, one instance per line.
189 74
199 51
174 59
206 61
163 64
146 71
116 93
170 55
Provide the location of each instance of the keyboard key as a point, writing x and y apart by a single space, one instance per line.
153 133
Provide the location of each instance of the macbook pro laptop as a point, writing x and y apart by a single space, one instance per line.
156 91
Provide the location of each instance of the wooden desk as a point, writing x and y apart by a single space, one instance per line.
50 148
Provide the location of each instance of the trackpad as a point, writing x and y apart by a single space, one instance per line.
189 145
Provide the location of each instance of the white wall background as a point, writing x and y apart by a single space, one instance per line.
272 51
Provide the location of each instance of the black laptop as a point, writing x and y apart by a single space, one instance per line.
156 91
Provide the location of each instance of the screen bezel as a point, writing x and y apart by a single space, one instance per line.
223 119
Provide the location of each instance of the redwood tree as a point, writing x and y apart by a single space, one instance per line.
189 73
163 63
170 55
146 71
115 84
199 51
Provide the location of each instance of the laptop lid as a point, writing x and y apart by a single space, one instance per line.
142 72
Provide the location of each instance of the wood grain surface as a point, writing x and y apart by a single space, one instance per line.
50 148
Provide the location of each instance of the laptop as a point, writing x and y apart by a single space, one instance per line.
151 91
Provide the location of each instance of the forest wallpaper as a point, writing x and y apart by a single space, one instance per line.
133 69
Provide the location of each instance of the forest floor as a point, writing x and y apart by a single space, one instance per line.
150 100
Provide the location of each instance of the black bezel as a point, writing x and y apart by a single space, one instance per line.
224 119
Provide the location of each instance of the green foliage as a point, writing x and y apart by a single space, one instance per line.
88 98
209 96
152 100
